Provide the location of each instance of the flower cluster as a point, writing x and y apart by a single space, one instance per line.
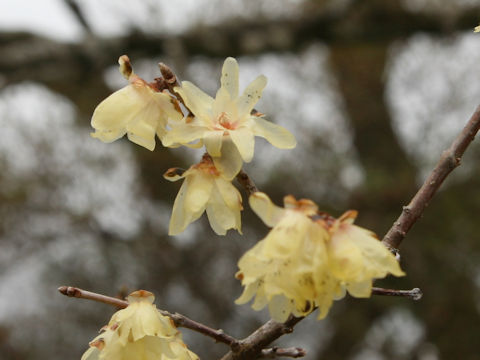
139 332
309 259
226 125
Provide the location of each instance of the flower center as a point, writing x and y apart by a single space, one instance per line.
224 121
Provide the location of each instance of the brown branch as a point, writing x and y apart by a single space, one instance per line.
247 183
414 294
293 352
71 291
449 160
251 347
179 319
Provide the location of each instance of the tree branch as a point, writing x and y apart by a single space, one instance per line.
293 352
179 319
77 12
251 347
449 160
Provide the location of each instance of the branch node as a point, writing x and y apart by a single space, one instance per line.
417 294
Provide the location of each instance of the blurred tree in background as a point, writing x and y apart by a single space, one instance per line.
373 91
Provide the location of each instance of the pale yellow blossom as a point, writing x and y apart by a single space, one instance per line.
357 256
477 29
288 270
309 259
138 110
225 124
205 189
139 332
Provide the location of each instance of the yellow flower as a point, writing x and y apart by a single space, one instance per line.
357 256
477 29
225 124
205 188
289 269
138 110
139 332
309 259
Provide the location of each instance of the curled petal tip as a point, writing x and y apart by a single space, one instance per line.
125 66
173 174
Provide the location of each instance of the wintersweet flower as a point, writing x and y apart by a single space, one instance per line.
357 256
309 259
138 110
477 29
289 268
139 332
205 188
225 124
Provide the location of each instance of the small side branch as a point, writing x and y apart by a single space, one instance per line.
178 319
293 352
414 294
71 291
449 160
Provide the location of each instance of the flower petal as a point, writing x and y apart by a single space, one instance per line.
190 201
265 208
220 216
229 79
213 142
248 293
250 96
142 131
223 104
244 140
230 161
229 193
199 191
357 257
280 308
108 136
119 108
197 101
361 289
183 133
275 134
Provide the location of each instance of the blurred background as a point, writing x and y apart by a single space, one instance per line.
373 91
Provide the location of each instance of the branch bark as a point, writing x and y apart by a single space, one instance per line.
251 347
179 319
449 160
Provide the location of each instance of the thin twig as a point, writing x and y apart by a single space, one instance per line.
292 352
414 294
179 319
449 160
247 182
71 291
79 15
